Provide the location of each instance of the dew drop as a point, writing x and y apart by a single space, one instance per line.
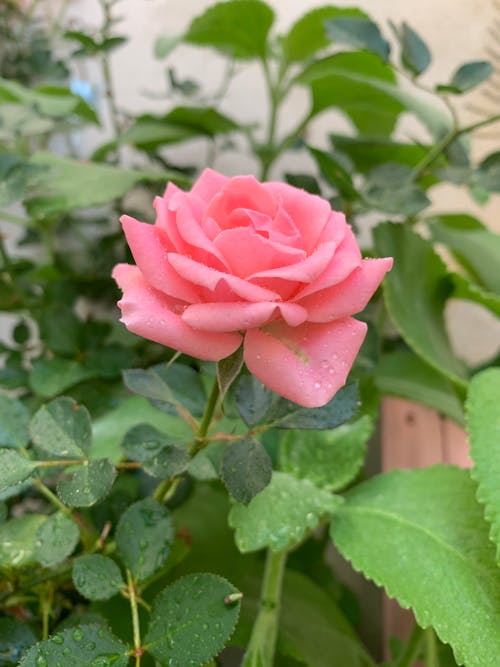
41 661
317 385
58 639
77 635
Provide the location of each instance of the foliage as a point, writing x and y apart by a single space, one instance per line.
131 525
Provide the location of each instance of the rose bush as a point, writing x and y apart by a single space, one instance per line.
264 263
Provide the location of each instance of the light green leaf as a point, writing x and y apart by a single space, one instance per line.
62 428
50 377
15 638
246 469
474 246
69 184
407 375
358 32
82 646
144 536
466 289
488 173
421 535
165 44
297 507
14 468
469 76
56 539
483 426
191 620
238 28
390 188
417 306
18 540
97 577
14 421
308 34
90 483
330 459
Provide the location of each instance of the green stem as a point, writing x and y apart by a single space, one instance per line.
262 645
412 648
109 90
430 648
46 600
132 595
45 491
276 92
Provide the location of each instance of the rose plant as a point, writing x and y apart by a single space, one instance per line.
268 263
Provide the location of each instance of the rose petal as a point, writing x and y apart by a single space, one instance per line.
310 213
307 364
150 246
347 257
165 219
247 252
208 184
305 271
351 295
237 316
240 192
151 314
199 274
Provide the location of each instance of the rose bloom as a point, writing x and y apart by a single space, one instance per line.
267 264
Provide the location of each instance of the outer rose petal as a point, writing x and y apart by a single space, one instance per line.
237 316
209 183
150 314
351 295
306 364
150 245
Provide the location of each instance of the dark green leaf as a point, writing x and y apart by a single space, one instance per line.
191 621
416 532
335 173
330 459
144 536
415 54
252 399
465 289
18 540
281 514
60 329
15 638
82 646
143 442
202 120
246 469
308 34
14 468
468 76
62 428
407 375
390 188
21 333
238 28
358 32
56 539
483 425
367 153
417 306
50 377
171 461
474 246
14 423
304 182
97 577
90 483
228 370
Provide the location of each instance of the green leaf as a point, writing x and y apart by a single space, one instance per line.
246 469
308 34
238 28
15 638
407 375
159 456
488 173
252 399
415 54
50 377
191 621
165 44
56 539
14 422
228 370
468 76
474 246
417 306
82 646
144 536
390 188
60 329
18 540
465 289
420 531
90 483
170 462
168 385
483 426
97 577
14 468
335 173
281 514
68 184
358 32
330 459
62 428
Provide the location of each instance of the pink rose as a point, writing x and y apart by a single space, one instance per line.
264 263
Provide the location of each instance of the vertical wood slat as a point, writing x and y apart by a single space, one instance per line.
414 436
